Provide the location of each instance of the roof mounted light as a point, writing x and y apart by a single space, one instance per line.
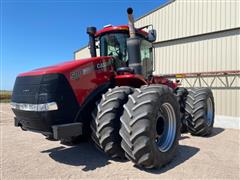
108 25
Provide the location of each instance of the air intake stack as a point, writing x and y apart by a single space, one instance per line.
91 32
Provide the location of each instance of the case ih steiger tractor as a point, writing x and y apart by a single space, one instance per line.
114 98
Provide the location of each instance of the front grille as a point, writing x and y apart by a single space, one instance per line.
25 93
44 90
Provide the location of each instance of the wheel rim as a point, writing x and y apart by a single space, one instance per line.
209 111
166 128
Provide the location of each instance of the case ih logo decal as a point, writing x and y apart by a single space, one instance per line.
104 64
99 66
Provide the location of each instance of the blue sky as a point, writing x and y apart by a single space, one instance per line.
37 33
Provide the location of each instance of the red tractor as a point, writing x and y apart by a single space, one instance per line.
114 99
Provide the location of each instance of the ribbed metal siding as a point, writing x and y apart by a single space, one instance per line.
227 102
183 18
218 54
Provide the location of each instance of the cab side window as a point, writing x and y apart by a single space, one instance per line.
146 57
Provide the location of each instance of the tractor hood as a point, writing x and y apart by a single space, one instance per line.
78 77
65 66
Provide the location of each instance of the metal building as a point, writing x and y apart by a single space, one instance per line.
198 36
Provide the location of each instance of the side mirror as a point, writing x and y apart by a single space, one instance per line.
152 35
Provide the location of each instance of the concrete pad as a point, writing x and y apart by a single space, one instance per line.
27 155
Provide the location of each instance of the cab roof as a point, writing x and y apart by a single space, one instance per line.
119 28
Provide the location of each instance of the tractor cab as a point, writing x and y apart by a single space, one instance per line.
112 41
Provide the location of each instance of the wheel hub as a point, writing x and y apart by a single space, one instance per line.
209 111
165 127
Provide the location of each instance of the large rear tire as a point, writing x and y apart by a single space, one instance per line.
151 126
106 121
199 117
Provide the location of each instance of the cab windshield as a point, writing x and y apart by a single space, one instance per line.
114 44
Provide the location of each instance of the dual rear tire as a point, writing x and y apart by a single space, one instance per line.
142 124
199 111
196 110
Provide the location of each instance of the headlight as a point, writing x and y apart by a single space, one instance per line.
35 107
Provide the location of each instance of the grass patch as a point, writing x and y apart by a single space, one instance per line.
5 96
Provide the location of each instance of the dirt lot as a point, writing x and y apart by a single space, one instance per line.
26 155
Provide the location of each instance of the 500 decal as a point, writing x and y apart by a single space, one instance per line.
99 66
76 74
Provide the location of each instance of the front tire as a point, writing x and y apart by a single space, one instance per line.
151 126
106 121
199 117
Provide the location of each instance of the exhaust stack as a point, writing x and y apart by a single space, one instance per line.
132 32
133 45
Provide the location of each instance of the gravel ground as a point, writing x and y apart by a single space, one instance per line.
27 155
